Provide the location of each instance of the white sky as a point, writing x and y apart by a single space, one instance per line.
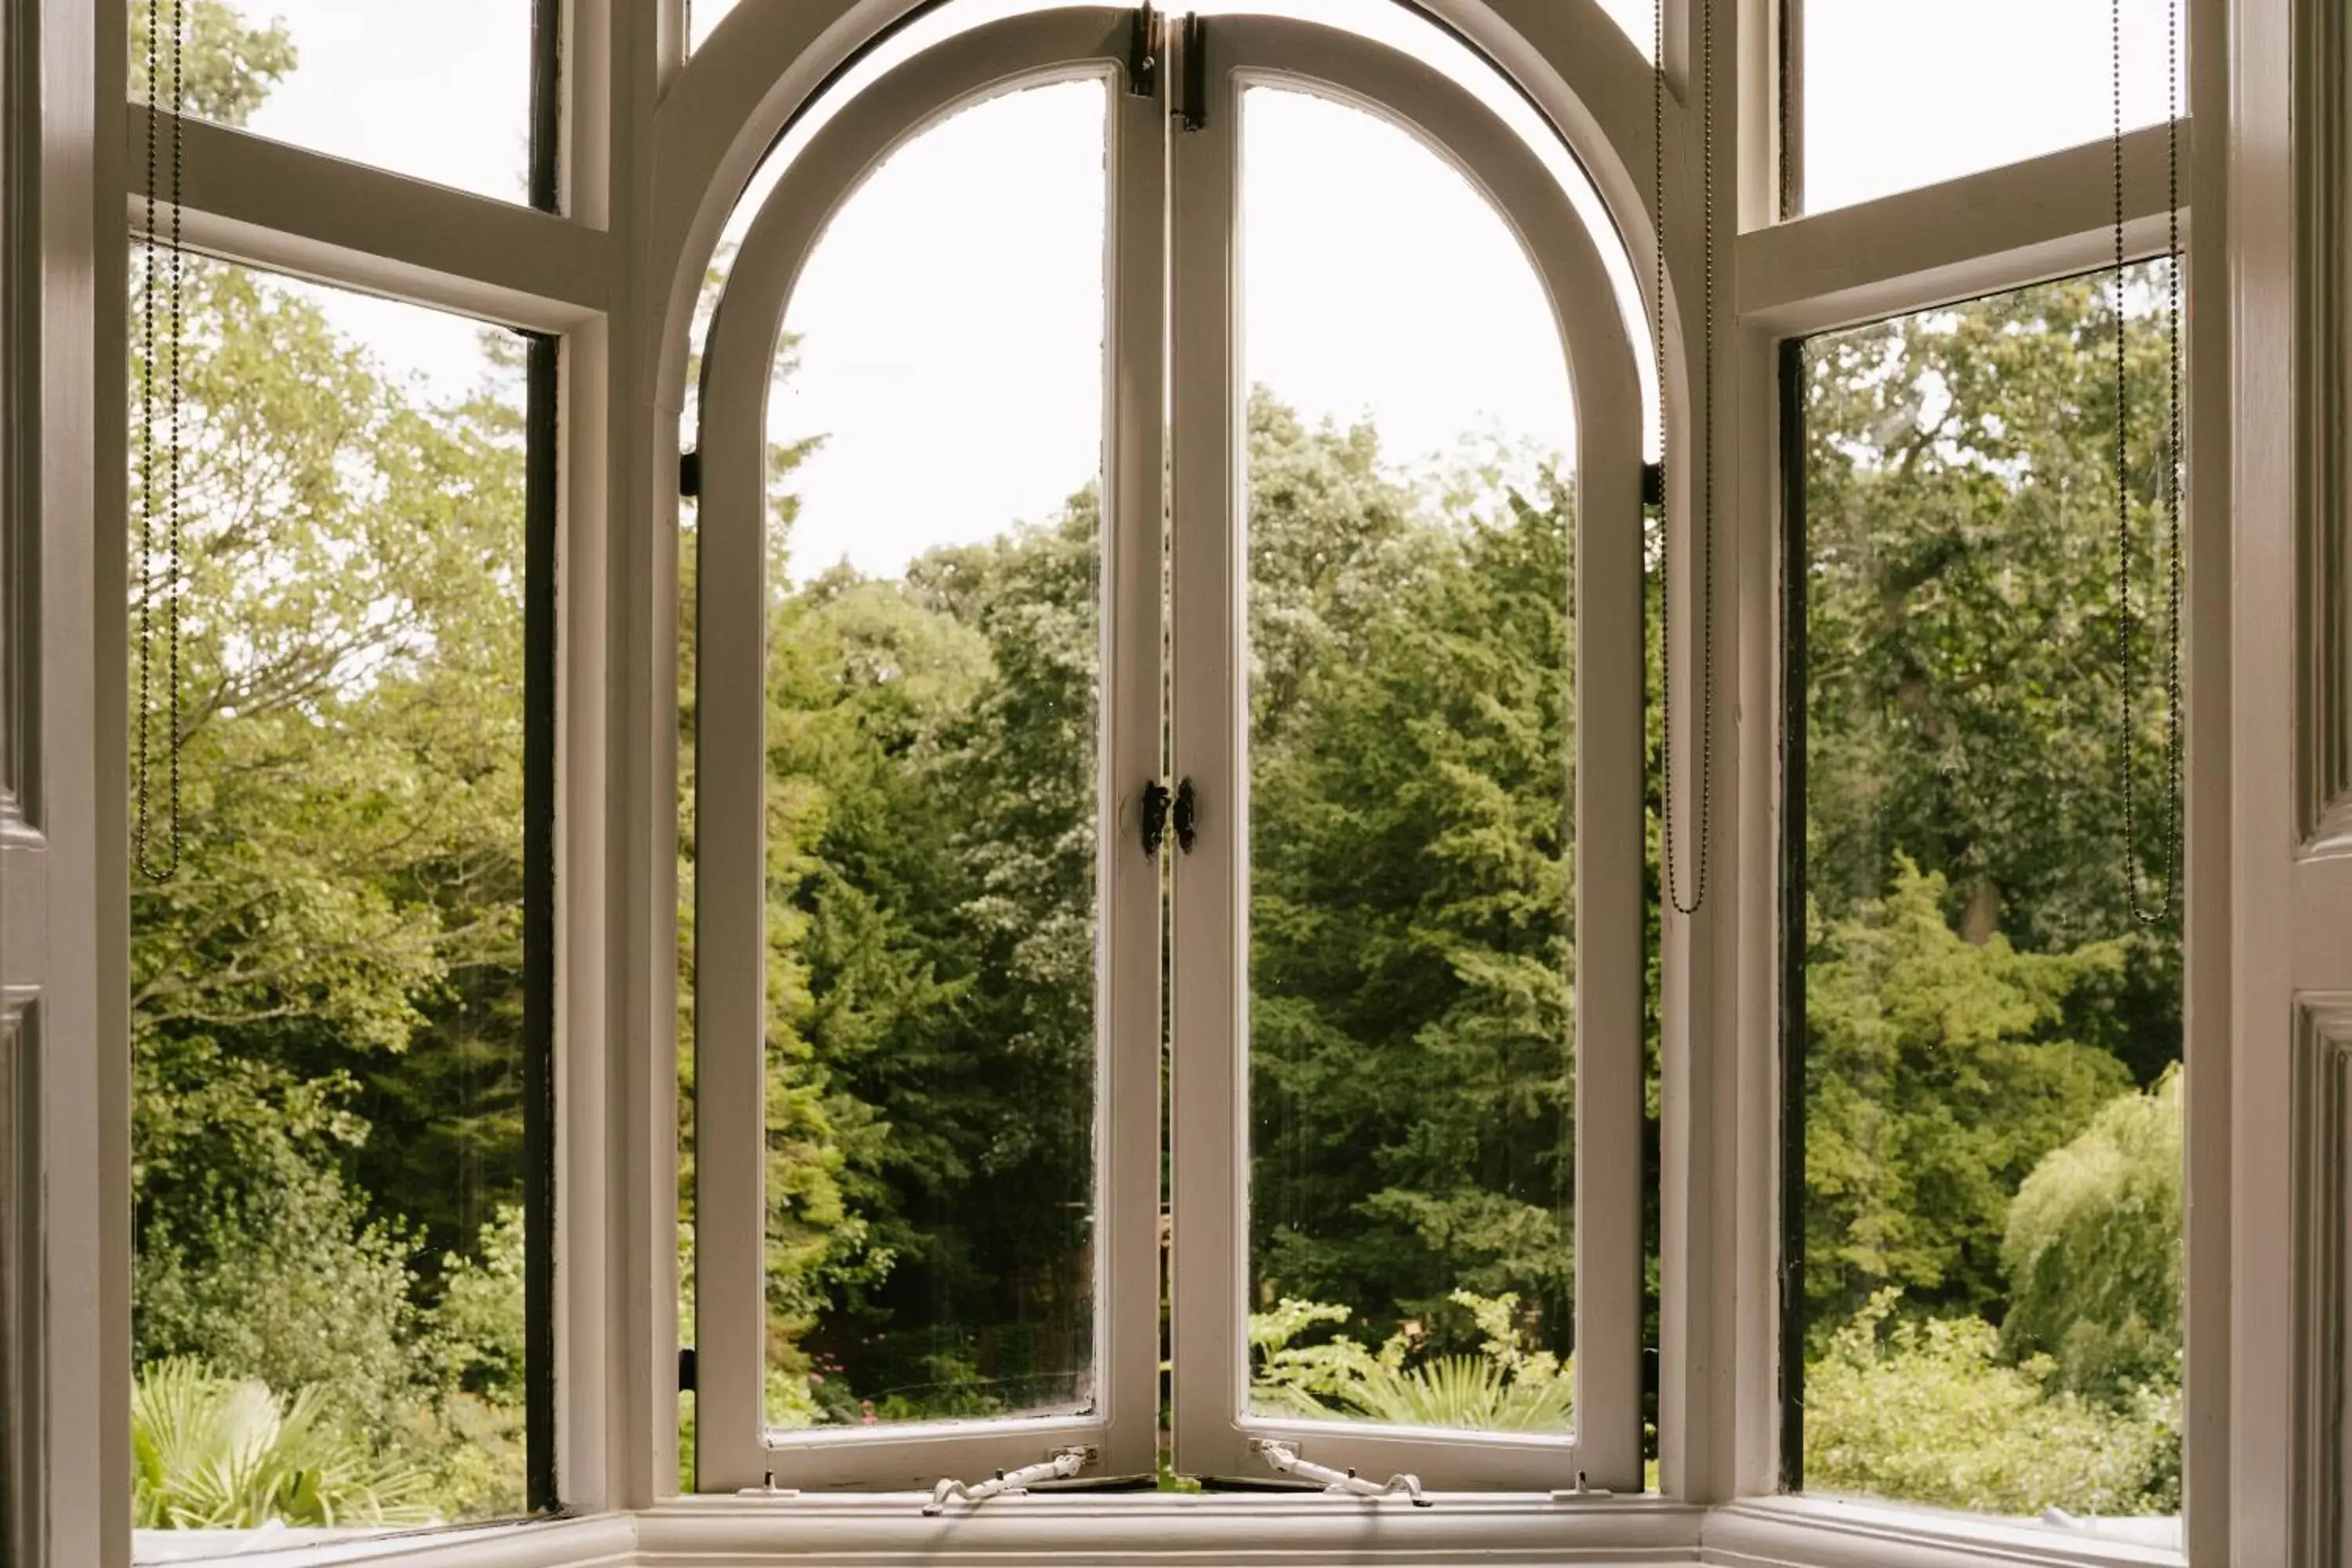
952 320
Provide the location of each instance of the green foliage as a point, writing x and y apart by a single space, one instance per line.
479 1323
1980 1003
283 1281
1506 1387
326 1001
212 1452
1412 956
1939 1072
227 68
2093 1250
1965 698
1926 1410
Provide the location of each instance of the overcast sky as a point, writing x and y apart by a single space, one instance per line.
951 323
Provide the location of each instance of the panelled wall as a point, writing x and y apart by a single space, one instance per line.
2292 228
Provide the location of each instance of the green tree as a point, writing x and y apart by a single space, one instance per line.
1411 946
2093 1250
1939 1073
1926 1410
1964 699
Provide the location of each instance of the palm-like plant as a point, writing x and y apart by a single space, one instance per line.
216 1453
1465 1390
1508 1388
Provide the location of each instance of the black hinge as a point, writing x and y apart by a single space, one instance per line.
689 475
686 1369
1188 817
1192 111
1654 484
1143 54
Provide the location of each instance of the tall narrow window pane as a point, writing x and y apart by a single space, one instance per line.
933 718
328 1013
1899 95
1411 733
440 90
1992 1044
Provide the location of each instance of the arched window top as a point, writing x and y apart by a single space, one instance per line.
1570 76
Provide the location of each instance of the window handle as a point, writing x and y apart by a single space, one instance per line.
1188 817
1156 801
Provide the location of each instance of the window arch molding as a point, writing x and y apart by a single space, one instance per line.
724 108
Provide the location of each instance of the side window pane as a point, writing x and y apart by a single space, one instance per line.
439 90
1897 96
1993 1161
933 717
1411 515
329 1008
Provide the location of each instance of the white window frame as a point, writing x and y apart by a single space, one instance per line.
658 148
735 1447
1214 1434
1986 232
1215 1431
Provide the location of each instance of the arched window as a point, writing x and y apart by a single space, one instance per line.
1346 757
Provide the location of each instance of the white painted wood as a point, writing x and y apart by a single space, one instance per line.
272 205
1838 1532
63 902
726 106
734 1447
1210 1269
1128 990
1980 234
1208 1265
2281 885
2322 1142
1231 1530
1699 1177
2209 923
19 1199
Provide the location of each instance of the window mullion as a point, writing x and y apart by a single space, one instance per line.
1128 1143
1208 1223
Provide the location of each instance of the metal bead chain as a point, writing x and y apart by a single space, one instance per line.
1706 479
153 866
2144 912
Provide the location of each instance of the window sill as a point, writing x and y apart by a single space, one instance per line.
603 1540
1239 1529
1228 1528
1844 1533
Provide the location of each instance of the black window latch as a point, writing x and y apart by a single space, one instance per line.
1156 801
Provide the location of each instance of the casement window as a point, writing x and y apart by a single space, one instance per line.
342 671
1992 617
1169 644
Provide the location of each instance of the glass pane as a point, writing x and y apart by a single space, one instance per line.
439 90
1411 516
1897 96
1992 1223
702 16
328 1004
933 717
